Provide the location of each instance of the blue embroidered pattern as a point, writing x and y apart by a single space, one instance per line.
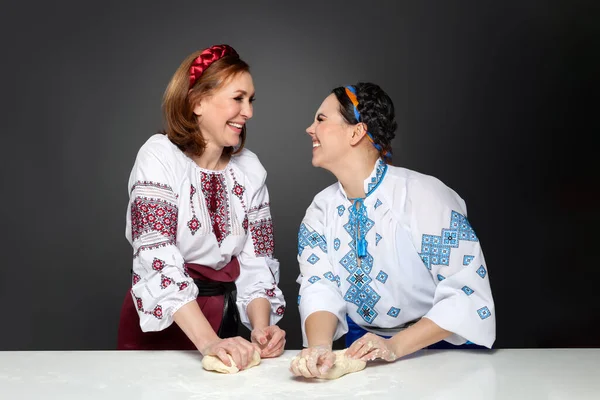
360 292
310 238
382 277
341 210
481 271
299 297
377 203
484 312
467 259
441 277
313 259
377 238
336 244
329 276
468 291
313 279
393 312
435 250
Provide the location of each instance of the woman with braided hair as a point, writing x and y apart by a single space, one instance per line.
387 255
199 223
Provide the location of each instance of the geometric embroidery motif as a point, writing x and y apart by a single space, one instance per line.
341 210
467 259
380 171
393 312
382 277
329 276
215 193
484 312
336 243
262 237
313 279
481 271
441 277
468 291
435 250
299 297
377 238
360 292
310 238
377 203
313 259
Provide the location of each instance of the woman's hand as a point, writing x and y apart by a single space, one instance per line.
371 347
313 362
270 340
237 347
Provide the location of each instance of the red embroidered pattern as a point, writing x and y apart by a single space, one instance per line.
270 292
157 312
158 265
245 223
193 224
280 310
262 236
153 215
135 278
215 193
165 282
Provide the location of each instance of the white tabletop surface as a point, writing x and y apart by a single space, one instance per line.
430 374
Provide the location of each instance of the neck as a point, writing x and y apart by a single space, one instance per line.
212 158
353 171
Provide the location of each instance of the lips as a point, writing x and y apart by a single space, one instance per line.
235 125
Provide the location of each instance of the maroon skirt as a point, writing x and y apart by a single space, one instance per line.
214 308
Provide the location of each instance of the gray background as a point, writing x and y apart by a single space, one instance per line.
494 98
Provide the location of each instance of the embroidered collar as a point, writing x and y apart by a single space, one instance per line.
376 177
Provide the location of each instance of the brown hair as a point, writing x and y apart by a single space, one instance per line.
179 101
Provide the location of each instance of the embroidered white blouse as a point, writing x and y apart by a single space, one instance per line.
420 258
180 213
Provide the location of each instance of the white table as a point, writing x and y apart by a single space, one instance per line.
430 374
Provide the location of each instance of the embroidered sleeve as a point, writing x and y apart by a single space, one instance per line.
319 284
451 251
160 286
259 271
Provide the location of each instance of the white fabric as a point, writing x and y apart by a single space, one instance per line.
410 218
169 224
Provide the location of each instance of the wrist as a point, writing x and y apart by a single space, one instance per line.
321 345
202 342
396 344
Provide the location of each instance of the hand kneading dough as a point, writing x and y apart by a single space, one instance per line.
343 365
212 363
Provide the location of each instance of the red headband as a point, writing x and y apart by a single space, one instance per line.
207 57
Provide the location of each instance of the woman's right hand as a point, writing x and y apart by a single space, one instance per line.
313 362
237 347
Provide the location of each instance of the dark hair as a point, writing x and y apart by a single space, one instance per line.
179 100
376 110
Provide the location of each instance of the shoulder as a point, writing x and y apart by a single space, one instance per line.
428 191
318 208
250 166
159 147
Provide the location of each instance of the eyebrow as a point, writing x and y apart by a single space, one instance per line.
242 92
321 115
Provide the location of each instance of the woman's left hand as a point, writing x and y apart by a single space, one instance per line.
370 347
270 339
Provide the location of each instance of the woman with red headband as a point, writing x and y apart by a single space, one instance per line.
199 223
387 255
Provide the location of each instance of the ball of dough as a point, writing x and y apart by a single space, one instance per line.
213 363
343 365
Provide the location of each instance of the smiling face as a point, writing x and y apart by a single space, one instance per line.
330 135
222 115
